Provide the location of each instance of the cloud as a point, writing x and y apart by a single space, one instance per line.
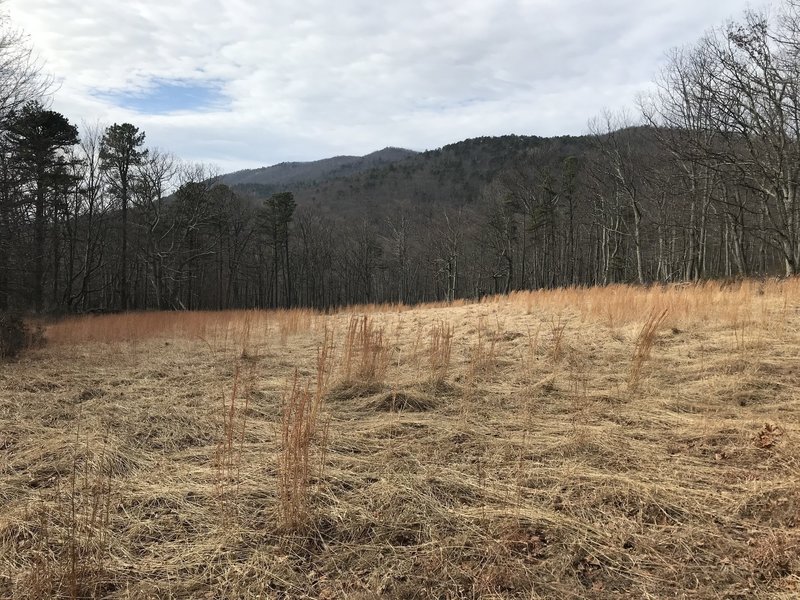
245 83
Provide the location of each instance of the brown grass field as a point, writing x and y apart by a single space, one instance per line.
619 442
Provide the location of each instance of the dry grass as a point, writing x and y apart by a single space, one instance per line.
366 354
643 346
441 348
482 359
300 428
160 455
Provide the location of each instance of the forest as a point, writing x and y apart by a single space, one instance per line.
701 182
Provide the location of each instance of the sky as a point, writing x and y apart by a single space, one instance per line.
248 83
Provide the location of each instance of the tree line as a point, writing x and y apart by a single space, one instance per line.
702 183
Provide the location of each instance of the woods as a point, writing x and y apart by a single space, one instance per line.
703 183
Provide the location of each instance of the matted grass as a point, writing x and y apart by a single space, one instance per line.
502 451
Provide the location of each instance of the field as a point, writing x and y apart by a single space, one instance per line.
620 442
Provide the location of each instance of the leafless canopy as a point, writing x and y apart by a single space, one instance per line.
21 74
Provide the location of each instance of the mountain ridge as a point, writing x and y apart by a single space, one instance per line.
299 173
381 182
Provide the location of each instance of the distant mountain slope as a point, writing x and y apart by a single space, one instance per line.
308 173
373 186
454 175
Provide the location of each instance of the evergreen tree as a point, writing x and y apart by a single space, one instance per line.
39 139
121 152
277 214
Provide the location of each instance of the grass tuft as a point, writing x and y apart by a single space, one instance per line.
366 354
643 345
440 350
301 435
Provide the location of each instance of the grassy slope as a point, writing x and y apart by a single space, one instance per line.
534 470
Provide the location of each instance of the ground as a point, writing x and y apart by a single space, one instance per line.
620 442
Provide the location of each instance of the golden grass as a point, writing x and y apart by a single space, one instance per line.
644 344
366 354
159 455
441 348
300 429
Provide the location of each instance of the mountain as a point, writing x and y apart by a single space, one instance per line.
290 174
373 185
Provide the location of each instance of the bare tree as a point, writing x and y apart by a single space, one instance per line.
398 242
21 81
156 176
756 110
681 112
622 167
21 75
449 246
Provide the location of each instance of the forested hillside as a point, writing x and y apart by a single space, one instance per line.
267 179
703 183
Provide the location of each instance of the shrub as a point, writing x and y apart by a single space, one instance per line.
13 335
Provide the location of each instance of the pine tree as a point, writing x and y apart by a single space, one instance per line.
121 152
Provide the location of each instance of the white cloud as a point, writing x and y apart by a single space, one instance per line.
312 79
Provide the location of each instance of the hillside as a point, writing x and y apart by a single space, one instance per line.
454 175
304 173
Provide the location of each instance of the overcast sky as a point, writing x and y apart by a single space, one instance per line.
247 83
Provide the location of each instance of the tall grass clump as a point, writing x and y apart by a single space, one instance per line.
294 321
643 345
234 410
440 349
688 302
71 529
366 354
90 498
557 334
228 452
217 326
303 441
483 354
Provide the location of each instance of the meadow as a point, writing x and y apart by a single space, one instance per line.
616 442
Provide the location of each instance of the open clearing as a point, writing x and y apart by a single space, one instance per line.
531 446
